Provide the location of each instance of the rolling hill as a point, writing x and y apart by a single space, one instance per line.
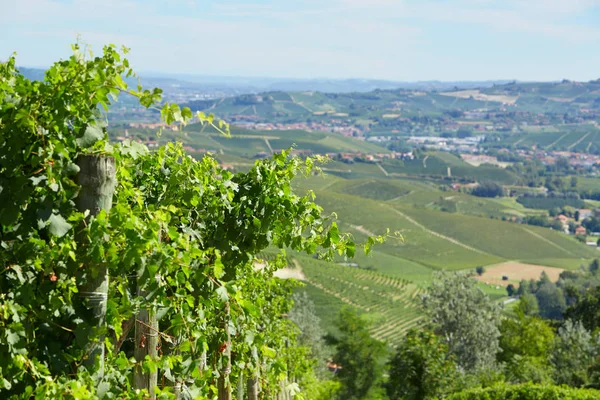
544 97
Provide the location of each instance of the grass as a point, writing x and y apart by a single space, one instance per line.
502 239
437 164
395 266
419 245
450 240
565 263
588 183
494 292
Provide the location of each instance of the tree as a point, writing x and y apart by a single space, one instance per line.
573 354
421 368
577 216
544 279
586 309
523 287
480 270
464 132
526 343
595 265
551 301
359 356
311 335
574 182
528 304
592 224
488 189
510 290
465 318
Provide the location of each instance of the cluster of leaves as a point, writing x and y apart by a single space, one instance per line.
422 368
180 241
527 391
465 318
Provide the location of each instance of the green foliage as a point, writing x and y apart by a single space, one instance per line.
574 353
528 305
488 189
526 343
587 308
180 241
421 368
465 318
360 358
311 335
527 391
551 301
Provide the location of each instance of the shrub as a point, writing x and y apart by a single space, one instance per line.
526 391
488 189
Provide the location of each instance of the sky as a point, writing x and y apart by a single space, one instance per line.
403 40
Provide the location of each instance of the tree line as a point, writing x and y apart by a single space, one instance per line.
468 347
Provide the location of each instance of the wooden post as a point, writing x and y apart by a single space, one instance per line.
146 344
97 178
224 384
240 386
253 387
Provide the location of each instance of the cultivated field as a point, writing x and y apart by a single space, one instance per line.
392 304
477 95
517 271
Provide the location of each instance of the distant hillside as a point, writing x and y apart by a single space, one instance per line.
249 143
388 105
240 85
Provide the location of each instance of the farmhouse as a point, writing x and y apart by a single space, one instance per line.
585 213
580 231
562 218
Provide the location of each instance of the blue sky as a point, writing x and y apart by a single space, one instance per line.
383 39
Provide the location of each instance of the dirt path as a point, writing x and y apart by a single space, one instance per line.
401 196
439 235
579 141
383 170
362 230
295 273
425 161
556 141
519 141
336 170
269 145
300 104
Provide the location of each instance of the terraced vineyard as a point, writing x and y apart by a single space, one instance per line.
392 303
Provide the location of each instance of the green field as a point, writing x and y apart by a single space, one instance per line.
432 240
392 304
